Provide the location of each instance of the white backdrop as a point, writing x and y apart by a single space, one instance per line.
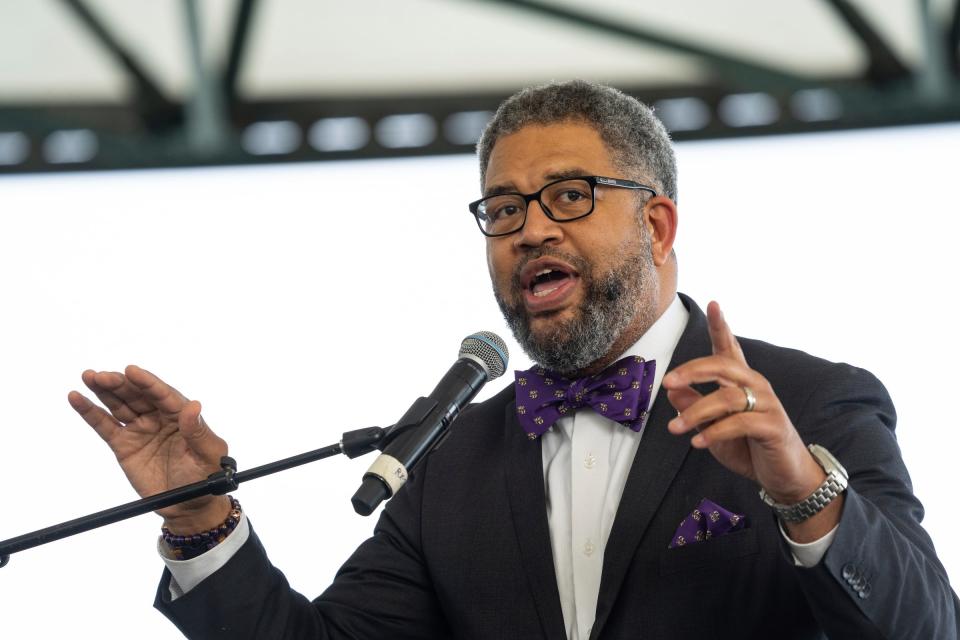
262 291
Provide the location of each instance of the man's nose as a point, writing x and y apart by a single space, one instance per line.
539 228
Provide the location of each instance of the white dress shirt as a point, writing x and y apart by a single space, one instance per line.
586 459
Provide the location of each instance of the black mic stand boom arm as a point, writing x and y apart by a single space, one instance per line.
353 444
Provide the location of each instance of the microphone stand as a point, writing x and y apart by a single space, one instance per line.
352 444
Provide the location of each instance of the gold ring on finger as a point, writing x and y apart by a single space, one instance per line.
751 400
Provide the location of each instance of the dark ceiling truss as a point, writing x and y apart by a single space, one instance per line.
238 48
119 149
883 65
733 70
217 125
207 130
158 113
953 40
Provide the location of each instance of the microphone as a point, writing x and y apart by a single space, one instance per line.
483 357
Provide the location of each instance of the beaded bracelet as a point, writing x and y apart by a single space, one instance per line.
191 546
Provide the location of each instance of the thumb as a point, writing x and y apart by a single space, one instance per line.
201 439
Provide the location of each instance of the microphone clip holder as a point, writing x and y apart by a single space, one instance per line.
224 481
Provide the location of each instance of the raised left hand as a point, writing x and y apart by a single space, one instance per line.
761 444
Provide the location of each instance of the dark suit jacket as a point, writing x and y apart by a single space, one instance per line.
464 550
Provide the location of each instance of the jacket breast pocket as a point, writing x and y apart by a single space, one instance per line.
718 552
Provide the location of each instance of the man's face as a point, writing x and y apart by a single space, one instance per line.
570 291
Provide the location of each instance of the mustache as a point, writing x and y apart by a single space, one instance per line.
583 267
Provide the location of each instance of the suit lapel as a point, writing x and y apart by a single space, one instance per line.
654 468
528 507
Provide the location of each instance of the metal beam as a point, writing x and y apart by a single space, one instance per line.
207 129
120 148
935 82
238 47
883 64
953 41
736 72
156 110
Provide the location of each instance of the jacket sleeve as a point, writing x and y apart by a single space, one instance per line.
880 577
383 590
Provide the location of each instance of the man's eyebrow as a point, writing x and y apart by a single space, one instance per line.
499 189
563 174
574 172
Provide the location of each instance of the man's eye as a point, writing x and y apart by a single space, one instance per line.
504 211
571 196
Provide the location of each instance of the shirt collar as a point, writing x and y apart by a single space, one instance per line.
661 339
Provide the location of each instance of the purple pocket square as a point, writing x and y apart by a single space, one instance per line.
708 520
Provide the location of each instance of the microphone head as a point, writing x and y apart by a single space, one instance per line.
488 350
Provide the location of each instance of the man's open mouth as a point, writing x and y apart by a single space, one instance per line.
546 281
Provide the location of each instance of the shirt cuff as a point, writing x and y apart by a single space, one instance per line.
187 574
807 554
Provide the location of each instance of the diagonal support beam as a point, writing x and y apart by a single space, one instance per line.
238 47
156 110
736 71
883 64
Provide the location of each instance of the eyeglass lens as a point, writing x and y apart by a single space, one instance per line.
565 200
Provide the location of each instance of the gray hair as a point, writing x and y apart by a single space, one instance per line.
637 140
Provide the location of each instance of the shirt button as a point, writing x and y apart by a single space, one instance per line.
588 548
590 461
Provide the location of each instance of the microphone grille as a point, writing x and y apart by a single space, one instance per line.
490 349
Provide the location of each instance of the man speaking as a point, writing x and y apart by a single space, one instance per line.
652 477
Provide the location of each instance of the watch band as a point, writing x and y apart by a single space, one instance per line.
834 485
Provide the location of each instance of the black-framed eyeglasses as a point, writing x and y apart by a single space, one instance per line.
562 200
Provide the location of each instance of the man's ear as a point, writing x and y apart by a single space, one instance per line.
660 218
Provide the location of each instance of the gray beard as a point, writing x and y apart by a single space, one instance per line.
611 304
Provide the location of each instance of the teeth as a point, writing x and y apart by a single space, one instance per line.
543 272
544 292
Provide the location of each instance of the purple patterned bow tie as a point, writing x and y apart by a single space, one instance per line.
620 392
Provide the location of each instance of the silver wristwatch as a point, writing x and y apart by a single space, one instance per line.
833 486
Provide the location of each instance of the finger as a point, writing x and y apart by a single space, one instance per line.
724 371
120 409
112 387
721 337
199 436
161 394
102 422
102 380
708 409
101 384
733 427
683 397
123 389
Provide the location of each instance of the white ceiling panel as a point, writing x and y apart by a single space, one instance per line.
377 46
368 47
